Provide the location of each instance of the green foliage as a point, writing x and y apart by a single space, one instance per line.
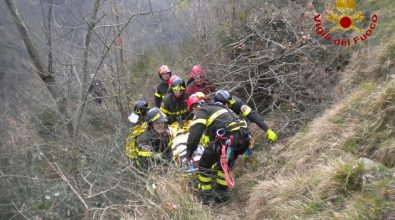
313 208
349 177
365 207
351 145
369 86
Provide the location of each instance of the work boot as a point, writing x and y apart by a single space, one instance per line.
221 195
206 196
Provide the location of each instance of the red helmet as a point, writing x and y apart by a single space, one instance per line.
171 79
196 70
163 70
195 98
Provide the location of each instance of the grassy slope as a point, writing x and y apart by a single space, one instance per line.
324 172
341 166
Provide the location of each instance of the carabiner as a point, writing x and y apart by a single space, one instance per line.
221 132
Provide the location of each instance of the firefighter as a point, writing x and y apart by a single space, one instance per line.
164 74
198 82
241 109
137 118
153 146
221 125
139 112
175 103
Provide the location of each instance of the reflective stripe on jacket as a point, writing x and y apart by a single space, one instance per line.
151 144
174 107
211 118
130 144
160 93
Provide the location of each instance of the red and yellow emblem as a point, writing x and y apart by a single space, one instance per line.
347 18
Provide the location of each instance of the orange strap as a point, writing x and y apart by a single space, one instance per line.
229 178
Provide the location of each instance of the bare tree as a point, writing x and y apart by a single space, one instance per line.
85 73
43 73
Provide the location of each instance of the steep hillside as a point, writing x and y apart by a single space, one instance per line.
341 165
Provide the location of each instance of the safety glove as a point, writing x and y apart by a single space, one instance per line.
271 136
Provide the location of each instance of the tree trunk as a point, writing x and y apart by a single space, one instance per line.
120 63
44 75
85 72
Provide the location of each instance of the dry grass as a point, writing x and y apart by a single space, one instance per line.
318 174
277 198
343 189
362 123
321 136
169 196
362 64
386 153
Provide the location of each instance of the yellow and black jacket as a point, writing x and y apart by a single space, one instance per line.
174 107
211 118
161 92
130 144
240 108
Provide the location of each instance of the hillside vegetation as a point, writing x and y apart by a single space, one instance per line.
341 165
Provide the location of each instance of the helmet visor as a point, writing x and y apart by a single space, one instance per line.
178 88
134 118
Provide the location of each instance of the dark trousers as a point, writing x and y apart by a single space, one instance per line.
212 154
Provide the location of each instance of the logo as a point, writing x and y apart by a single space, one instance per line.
345 18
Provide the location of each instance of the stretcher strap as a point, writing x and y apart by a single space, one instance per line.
229 178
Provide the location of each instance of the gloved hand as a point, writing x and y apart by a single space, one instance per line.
271 136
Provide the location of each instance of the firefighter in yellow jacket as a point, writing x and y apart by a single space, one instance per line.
137 118
153 146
